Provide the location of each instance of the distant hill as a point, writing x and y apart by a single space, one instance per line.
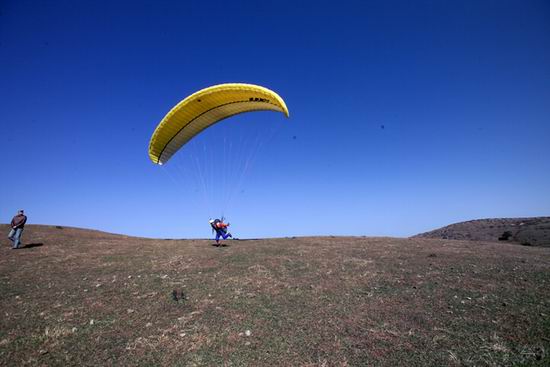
525 231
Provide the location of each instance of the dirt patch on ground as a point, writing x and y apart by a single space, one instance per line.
77 297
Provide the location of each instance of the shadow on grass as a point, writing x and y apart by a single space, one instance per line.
220 245
31 245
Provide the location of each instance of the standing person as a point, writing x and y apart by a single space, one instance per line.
17 226
221 229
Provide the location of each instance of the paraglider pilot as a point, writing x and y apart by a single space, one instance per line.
221 229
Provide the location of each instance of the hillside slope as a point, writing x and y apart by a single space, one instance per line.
526 231
74 297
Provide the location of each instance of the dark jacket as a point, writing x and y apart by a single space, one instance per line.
19 221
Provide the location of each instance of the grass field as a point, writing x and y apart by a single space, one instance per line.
86 298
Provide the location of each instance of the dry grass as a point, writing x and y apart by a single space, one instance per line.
87 298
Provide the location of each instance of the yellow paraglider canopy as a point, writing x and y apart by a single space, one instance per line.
205 108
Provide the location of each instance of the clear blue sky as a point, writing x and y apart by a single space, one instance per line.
461 89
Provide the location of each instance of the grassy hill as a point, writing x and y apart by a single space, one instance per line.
525 231
87 298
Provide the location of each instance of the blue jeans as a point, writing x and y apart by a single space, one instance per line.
222 234
15 236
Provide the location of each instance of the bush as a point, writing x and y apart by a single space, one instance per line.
505 236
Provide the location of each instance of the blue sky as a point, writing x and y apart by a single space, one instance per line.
404 115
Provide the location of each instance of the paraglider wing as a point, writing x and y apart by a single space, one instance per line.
205 108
